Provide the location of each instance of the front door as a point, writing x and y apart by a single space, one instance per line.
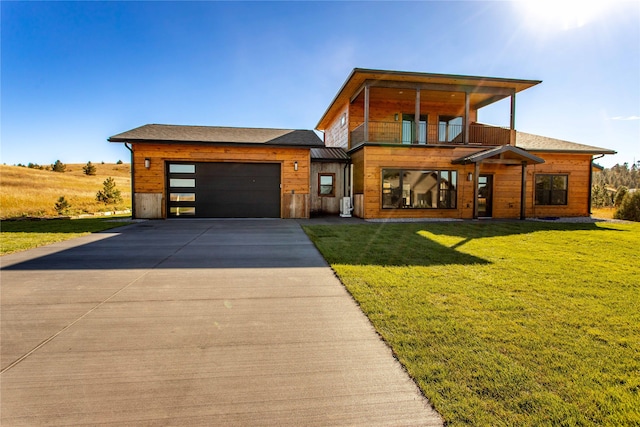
485 195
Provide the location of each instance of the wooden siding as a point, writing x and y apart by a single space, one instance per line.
153 180
369 161
578 169
377 158
327 204
337 134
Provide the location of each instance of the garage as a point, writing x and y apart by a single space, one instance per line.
223 190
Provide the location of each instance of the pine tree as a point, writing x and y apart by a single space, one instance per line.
62 206
89 169
58 166
109 194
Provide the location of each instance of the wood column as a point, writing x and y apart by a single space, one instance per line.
366 112
523 192
416 121
476 174
466 117
512 126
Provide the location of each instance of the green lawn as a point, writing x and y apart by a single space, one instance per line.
18 236
504 323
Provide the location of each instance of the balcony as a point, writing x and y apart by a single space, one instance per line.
404 133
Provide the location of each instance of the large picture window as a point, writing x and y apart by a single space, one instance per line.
551 189
419 189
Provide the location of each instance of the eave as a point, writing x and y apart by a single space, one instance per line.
499 87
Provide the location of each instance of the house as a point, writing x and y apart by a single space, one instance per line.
396 145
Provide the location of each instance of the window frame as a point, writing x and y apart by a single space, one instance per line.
333 184
548 199
446 196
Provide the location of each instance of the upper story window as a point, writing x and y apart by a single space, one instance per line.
326 184
449 128
551 189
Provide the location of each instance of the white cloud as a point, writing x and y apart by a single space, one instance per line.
625 118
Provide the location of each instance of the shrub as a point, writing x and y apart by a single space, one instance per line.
620 193
109 194
119 162
89 169
629 209
62 206
58 166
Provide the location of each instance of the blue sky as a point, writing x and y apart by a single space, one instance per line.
75 73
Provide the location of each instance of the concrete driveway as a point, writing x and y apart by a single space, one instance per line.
192 322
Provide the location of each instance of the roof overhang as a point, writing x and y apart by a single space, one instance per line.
217 135
505 155
493 88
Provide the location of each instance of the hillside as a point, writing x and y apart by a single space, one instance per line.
33 192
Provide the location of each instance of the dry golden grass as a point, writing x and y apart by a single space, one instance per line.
33 192
604 213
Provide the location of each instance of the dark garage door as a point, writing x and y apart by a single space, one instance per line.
223 190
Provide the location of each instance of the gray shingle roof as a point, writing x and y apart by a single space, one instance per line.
532 142
220 135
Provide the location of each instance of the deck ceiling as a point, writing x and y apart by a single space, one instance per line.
427 97
483 90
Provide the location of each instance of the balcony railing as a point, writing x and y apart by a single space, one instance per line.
399 133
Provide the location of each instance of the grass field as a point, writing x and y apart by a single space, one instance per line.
18 236
504 323
33 192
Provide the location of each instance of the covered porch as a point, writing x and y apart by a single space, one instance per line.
505 156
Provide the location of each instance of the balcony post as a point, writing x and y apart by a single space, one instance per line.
512 126
523 192
416 121
466 117
366 112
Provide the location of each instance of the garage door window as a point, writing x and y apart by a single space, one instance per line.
181 182
182 211
182 168
182 197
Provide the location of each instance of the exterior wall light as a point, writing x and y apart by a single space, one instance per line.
395 117
147 163
295 166
469 176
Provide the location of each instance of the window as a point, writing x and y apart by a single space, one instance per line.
551 189
326 184
182 182
182 168
419 189
182 197
450 128
408 130
182 210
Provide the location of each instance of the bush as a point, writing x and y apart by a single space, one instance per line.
629 208
58 166
89 169
62 206
109 194
119 162
620 193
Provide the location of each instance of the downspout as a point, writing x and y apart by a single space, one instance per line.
133 194
591 180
